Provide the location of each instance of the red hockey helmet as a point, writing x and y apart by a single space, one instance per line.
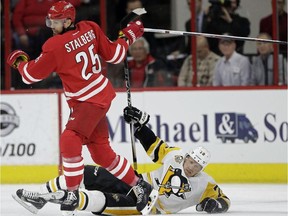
62 10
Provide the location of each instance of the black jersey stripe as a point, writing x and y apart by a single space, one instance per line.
58 183
48 187
156 151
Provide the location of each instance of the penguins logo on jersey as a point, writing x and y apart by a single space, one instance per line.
173 183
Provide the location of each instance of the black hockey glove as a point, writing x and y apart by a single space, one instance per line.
136 116
209 205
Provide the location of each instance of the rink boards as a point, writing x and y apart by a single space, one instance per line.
246 131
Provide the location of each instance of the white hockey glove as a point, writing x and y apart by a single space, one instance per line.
209 205
136 116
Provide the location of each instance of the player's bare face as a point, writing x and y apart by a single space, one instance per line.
56 25
191 167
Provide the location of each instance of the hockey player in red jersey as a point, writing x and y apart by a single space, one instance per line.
74 52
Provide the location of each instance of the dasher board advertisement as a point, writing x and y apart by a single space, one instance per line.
29 129
244 126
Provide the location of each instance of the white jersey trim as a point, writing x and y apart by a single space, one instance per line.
117 54
122 57
96 91
28 76
85 89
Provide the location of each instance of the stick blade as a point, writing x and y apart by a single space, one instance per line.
139 11
152 200
136 13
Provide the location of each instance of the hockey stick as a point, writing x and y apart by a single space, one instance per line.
135 14
184 33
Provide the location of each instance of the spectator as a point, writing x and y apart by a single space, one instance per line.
142 65
262 66
206 61
266 24
223 19
145 70
233 69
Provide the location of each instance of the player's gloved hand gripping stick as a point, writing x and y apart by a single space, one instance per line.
135 116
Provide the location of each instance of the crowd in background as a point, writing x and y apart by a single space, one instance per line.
161 60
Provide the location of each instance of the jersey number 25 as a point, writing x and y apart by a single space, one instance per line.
84 56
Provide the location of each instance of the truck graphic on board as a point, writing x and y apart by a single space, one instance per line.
232 126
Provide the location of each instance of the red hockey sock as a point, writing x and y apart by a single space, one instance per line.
73 165
73 172
122 169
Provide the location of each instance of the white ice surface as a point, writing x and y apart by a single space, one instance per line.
246 199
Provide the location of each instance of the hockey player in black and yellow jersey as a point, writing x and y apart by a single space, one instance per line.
180 181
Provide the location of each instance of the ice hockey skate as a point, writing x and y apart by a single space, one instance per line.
29 200
70 203
34 201
146 196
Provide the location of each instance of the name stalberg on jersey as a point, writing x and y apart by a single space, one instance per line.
80 41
